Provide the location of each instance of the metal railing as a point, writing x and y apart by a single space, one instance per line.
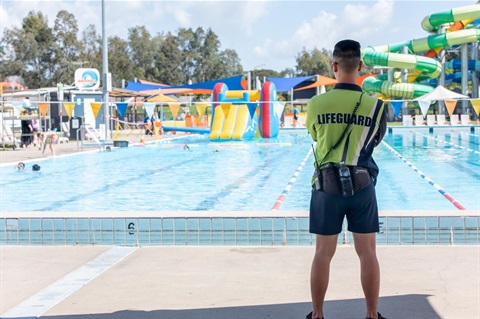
93 134
227 231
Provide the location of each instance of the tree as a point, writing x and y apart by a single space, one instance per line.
13 58
142 52
31 49
168 60
208 56
68 47
91 55
119 63
189 45
229 64
287 73
43 56
314 62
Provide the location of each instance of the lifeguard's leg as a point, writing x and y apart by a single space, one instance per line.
365 246
319 276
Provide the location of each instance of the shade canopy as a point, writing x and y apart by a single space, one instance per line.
126 93
321 81
441 93
286 84
233 83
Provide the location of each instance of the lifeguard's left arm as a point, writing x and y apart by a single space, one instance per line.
310 121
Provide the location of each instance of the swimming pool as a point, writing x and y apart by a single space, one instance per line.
242 176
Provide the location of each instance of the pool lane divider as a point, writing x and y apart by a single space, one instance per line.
287 188
467 134
52 295
448 143
455 202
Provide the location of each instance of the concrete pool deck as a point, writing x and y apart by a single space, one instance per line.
31 153
90 282
425 282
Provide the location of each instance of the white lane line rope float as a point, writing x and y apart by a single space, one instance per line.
284 194
455 202
467 134
448 143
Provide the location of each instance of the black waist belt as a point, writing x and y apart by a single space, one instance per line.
329 179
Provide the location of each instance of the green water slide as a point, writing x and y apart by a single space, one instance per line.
388 55
432 22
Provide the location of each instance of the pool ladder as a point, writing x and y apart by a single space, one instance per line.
86 131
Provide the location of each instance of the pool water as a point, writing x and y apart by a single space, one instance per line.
240 176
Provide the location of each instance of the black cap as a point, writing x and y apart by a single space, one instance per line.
36 167
347 48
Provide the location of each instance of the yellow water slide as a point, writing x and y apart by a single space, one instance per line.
231 111
217 123
241 123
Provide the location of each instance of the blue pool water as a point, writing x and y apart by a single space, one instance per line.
241 176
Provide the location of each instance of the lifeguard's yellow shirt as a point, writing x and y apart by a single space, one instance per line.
328 115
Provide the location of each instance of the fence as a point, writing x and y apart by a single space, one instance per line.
227 231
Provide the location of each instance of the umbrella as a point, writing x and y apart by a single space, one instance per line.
162 98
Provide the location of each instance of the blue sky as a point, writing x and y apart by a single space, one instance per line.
261 32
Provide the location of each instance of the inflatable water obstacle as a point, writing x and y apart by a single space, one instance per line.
241 114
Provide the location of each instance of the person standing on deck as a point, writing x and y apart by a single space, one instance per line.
347 125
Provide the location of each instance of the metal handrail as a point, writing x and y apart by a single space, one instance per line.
81 132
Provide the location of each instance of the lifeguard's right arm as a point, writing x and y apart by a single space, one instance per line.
382 128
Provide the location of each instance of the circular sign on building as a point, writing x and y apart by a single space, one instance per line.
87 79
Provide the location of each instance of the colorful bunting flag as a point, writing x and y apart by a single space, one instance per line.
174 107
149 108
96 106
476 106
450 105
226 108
424 105
69 106
122 108
18 105
396 106
43 108
279 108
201 108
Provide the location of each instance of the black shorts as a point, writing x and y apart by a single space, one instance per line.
328 211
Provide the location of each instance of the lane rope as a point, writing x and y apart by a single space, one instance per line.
446 142
466 134
455 202
284 194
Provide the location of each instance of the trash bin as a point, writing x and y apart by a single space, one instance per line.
120 143
75 124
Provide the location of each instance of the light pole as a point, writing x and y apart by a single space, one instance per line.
254 77
106 111
189 94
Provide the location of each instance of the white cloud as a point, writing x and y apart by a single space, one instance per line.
357 21
251 12
181 13
262 51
